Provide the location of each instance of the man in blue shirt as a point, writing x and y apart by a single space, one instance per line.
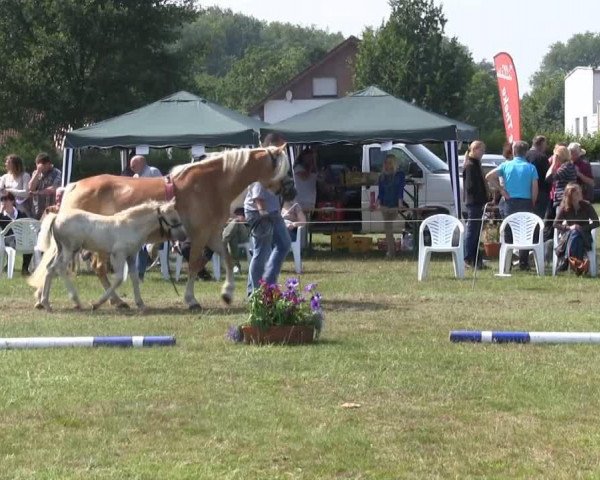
520 190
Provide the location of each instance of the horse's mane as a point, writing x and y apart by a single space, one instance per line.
233 161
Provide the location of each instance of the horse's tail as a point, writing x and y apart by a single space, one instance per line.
69 188
47 244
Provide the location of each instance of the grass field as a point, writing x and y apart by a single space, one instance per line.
211 409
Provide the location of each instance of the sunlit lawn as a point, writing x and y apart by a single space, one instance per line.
209 408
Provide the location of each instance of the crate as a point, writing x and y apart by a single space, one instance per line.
382 245
360 244
340 240
329 212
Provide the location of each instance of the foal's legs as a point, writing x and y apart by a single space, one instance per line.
67 279
135 281
53 267
100 266
118 263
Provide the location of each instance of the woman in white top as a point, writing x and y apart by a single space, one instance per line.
293 216
16 181
305 179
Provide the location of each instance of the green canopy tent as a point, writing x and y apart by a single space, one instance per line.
179 120
372 115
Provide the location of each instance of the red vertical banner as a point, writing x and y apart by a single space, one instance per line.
508 87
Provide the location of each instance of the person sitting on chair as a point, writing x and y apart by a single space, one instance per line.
575 220
293 216
9 213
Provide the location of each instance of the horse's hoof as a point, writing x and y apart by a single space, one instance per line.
226 298
194 307
95 306
122 306
39 306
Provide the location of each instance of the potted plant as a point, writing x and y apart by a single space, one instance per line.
282 314
491 238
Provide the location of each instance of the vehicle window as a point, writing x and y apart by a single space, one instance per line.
430 160
376 158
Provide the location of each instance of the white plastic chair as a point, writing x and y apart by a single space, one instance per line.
591 255
441 228
522 225
25 232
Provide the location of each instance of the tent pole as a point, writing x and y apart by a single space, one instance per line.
451 147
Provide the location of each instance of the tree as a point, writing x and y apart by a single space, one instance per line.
410 58
256 74
483 106
239 60
543 108
69 62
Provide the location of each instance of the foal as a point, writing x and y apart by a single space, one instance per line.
120 235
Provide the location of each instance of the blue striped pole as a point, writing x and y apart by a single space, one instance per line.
55 342
488 336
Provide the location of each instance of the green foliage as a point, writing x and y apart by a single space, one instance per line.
239 60
257 73
27 145
543 108
68 62
410 58
482 100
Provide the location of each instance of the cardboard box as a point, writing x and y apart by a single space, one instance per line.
360 244
340 240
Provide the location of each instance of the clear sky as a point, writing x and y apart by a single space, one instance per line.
523 28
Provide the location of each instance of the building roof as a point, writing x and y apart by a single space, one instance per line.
594 69
279 91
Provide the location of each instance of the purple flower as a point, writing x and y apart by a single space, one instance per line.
310 287
315 302
235 334
292 283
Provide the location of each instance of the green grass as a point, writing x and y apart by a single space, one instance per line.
208 408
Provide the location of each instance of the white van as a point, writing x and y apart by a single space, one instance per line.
348 179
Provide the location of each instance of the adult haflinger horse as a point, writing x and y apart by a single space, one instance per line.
203 192
121 235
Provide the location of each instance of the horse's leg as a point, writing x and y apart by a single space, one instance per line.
135 281
51 272
228 287
67 279
100 266
194 262
118 263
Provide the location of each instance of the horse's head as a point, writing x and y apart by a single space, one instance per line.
279 164
170 222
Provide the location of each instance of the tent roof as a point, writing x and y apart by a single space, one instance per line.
370 115
179 120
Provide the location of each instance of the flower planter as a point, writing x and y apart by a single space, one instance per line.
492 249
283 334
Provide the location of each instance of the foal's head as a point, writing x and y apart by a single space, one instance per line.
170 222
